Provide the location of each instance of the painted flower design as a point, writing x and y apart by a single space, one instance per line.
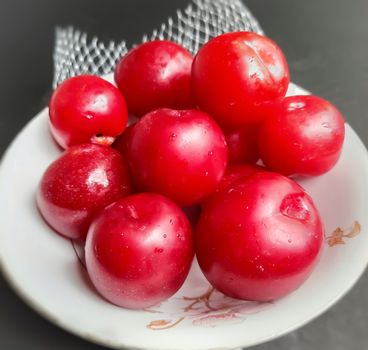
339 235
209 309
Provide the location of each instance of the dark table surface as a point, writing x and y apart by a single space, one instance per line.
326 43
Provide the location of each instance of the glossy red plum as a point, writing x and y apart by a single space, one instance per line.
87 109
304 135
139 250
259 239
235 73
80 183
155 75
242 144
180 154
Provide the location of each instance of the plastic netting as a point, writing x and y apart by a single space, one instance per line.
200 21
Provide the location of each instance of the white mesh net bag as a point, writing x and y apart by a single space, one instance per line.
200 21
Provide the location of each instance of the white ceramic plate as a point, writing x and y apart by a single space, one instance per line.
44 270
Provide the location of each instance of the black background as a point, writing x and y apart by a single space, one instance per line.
326 43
